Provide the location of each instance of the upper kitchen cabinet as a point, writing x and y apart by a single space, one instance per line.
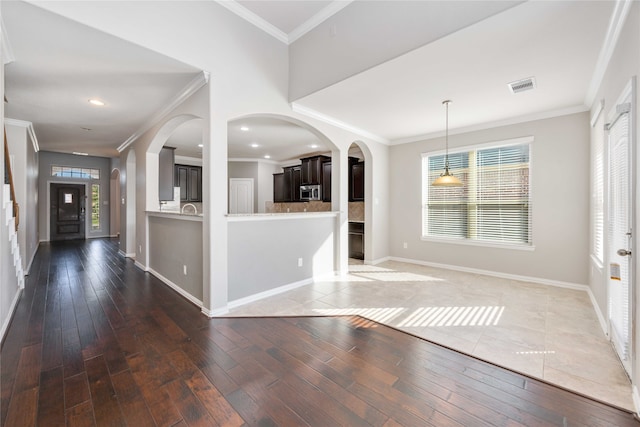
189 179
279 188
356 181
165 173
326 182
312 170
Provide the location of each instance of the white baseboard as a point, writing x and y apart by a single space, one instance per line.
33 256
140 266
377 261
12 309
539 280
601 318
176 288
215 313
269 293
636 399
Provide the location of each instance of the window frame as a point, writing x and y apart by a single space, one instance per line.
474 242
98 206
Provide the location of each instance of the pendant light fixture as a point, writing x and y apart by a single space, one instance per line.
446 179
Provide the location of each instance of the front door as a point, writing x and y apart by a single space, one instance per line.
67 211
620 237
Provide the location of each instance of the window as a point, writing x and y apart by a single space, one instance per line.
74 172
597 197
494 205
95 207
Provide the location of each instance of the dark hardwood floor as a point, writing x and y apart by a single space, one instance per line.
95 341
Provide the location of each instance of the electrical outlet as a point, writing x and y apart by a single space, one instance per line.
299 262
139 249
184 269
405 245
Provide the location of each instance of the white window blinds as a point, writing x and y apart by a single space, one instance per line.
494 205
597 197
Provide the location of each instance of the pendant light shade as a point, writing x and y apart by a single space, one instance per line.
446 179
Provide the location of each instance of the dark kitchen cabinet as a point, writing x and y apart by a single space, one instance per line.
356 182
312 170
326 181
286 185
165 173
189 179
356 240
279 189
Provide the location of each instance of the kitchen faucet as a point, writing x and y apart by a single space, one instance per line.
195 210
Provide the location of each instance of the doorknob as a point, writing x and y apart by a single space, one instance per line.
623 252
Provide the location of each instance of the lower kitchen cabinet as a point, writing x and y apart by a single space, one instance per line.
356 240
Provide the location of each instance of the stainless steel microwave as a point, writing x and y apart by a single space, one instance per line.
310 192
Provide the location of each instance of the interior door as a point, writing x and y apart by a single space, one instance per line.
241 196
620 240
67 204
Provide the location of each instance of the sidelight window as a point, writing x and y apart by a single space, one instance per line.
493 205
95 207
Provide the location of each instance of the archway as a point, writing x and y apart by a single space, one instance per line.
114 203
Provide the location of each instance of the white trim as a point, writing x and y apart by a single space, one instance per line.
176 288
279 216
30 130
254 19
214 313
538 280
7 51
182 159
377 261
596 113
297 108
257 160
481 243
192 87
12 309
140 265
636 398
128 255
490 125
317 19
596 262
616 23
596 308
269 293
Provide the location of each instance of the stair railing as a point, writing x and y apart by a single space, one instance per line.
9 175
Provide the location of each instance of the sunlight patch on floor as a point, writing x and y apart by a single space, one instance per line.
380 314
454 316
397 276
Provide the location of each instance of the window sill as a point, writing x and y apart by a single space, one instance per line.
480 243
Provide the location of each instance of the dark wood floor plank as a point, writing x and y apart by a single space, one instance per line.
50 400
96 341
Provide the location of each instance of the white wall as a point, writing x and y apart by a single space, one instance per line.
25 178
560 202
624 63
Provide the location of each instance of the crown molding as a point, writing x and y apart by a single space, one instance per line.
337 123
193 86
253 160
494 124
254 19
317 19
7 51
616 23
28 126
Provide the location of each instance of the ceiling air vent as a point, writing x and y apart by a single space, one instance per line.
522 85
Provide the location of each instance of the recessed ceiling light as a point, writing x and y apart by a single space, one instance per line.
77 153
314 146
255 145
266 156
244 128
96 102
200 145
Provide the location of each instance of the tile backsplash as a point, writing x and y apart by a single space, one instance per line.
313 206
356 211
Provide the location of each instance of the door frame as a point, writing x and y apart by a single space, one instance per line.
86 189
629 91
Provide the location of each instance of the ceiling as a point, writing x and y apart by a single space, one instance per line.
556 42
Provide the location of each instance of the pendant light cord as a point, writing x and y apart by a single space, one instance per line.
446 137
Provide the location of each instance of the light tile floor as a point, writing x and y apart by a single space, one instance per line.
543 331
